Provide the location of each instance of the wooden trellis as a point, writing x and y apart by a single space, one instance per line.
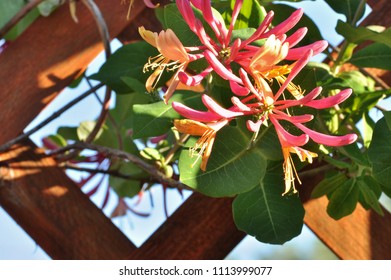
64 222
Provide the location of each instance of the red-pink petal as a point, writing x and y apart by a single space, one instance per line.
331 100
195 115
219 68
283 104
216 108
149 4
296 37
240 105
254 126
316 47
294 119
187 13
286 25
328 140
235 13
260 30
195 79
287 139
295 70
238 89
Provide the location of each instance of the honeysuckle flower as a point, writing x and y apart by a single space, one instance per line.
207 133
173 57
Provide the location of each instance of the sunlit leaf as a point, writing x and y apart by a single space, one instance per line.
232 167
376 55
157 118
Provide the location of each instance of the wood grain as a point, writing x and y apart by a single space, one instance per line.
53 210
202 228
48 56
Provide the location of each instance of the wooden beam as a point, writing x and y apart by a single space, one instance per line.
363 235
53 210
47 57
202 228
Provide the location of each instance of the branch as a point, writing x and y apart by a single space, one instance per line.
49 119
103 171
110 152
21 14
104 34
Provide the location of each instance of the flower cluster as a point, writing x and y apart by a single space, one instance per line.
276 60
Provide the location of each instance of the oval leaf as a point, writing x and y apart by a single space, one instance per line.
232 167
266 214
344 200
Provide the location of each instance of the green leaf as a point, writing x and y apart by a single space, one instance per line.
134 84
264 213
354 153
85 129
8 9
250 15
387 116
171 18
127 61
370 192
48 6
68 132
328 185
58 139
156 118
379 154
367 132
343 201
232 168
356 81
360 34
346 7
376 55
268 144
126 187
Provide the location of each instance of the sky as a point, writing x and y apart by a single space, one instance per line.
16 244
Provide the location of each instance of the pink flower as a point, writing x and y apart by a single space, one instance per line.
173 57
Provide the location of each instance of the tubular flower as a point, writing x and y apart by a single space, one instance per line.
207 133
173 57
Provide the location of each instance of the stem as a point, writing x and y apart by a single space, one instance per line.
315 171
104 33
103 171
109 152
345 44
177 145
49 119
109 116
21 14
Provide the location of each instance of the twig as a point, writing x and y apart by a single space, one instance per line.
177 145
104 33
103 171
110 117
150 169
315 171
21 14
49 119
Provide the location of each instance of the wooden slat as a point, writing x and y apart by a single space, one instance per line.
39 196
54 211
47 57
362 235
202 228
